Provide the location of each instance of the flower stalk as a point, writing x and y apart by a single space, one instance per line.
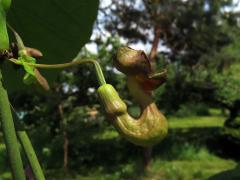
76 61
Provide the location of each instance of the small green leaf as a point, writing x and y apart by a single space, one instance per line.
28 79
24 59
29 69
32 75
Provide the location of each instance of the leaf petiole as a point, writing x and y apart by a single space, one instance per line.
76 61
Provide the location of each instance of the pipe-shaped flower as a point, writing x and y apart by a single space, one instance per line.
151 126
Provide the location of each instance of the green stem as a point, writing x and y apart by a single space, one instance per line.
77 61
27 147
4 41
10 137
31 156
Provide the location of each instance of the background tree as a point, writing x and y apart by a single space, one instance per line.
194 37
191 33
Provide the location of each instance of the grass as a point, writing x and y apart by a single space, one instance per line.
161 170
190 151
188 170
195 122
212 121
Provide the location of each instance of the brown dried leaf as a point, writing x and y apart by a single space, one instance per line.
41 80
34 52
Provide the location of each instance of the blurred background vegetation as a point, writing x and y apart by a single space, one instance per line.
198 41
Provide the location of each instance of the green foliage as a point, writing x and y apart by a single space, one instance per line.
228 174
189 152
188 28
181 89
186 110
228 84
232 134
221 71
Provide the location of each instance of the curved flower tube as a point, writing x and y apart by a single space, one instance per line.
151 127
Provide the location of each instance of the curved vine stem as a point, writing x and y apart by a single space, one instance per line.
9 133
76 61
30 154
27 146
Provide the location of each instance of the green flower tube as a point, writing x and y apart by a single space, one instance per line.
111 101
149 129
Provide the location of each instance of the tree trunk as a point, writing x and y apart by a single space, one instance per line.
147 152
231 119
65 148
234 113
65 138
157 34
147 158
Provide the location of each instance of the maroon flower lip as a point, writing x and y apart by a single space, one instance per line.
152 81
136 63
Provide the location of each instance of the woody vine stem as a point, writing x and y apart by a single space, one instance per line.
6 118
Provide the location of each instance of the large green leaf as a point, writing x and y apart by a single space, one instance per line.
58 28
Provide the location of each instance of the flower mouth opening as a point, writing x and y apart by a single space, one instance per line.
136 63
